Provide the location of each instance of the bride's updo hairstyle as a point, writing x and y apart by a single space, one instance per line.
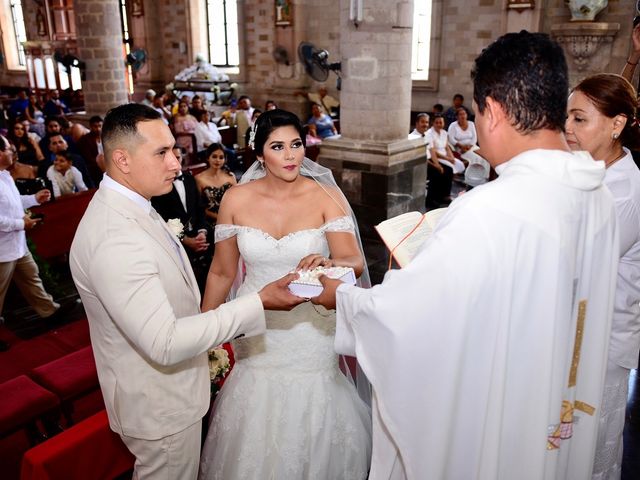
267 122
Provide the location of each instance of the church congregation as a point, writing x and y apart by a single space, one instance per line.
163 200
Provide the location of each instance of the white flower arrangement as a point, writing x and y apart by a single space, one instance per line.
201 70
219 363
176 227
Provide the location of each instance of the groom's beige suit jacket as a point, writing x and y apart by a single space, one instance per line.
149 338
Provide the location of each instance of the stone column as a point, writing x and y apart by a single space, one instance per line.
100 46
381 172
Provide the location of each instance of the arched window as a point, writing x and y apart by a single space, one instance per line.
222 34
421 43
14 34
425 53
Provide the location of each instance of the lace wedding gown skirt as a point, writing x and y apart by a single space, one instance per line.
286 411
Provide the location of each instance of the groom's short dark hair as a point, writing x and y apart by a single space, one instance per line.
121 124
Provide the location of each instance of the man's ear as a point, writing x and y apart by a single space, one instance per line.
494 113
120 158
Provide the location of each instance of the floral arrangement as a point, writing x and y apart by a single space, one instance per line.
219 366
176 227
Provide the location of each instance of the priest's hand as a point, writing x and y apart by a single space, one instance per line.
328 296
277 296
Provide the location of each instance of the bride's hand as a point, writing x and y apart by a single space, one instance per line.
314 260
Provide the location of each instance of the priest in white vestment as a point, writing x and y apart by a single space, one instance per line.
487 352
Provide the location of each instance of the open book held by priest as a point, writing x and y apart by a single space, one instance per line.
405 234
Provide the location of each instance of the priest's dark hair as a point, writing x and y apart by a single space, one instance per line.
268 121
121 123
526 73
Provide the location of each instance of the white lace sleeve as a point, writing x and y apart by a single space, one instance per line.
223 231
339 224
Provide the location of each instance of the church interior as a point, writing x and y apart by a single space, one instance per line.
372 66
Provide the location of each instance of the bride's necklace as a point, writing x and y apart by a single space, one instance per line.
607 164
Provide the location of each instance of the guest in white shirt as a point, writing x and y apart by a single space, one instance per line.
420 130
65 178
421 126
206 132
462 133
16 261
440 150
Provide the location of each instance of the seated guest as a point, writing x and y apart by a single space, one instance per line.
451 114
19 105
421 126
74 130
462 133
53 126
206 132
439 146
148 98
322 121
327 103
228 117
440 165
27 128
90 146
184 122
214 181
270 105
57 144
65 178
158 106
196 105
34 115
183 203
438 108
20 171
244 106
55 106
28 151
311 135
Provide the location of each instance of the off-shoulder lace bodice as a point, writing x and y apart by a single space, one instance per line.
267 258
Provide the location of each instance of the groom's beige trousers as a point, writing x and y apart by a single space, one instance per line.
175 457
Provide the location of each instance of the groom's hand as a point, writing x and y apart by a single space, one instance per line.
277 296
328 296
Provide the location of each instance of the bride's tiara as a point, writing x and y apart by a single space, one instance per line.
252 135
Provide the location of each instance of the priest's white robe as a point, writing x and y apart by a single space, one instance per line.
500 321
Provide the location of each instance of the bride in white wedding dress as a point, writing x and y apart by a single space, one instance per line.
286 411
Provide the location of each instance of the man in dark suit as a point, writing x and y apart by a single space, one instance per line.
183 203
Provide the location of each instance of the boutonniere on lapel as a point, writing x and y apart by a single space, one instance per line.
175 225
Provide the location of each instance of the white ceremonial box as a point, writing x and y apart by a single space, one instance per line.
308 285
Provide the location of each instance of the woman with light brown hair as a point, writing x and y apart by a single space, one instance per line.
602 120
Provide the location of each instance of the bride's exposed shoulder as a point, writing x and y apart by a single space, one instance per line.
329 197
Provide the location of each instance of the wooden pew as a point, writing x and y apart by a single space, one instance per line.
229 135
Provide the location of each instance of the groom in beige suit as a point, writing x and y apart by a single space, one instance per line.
148 335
